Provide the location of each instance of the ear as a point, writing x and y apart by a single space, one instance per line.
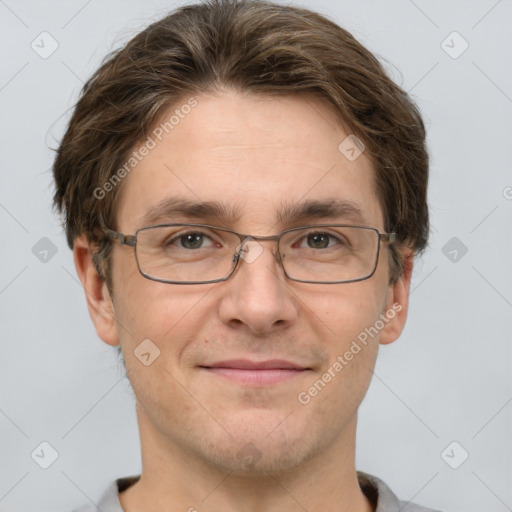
99 302
397 301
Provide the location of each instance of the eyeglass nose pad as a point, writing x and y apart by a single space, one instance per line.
249 249
238 251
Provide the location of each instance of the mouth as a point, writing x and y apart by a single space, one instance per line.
256 373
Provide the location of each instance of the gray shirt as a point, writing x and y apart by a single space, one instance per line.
382 497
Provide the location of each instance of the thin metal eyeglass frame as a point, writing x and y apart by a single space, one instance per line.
131 240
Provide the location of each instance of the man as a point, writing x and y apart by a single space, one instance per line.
248 355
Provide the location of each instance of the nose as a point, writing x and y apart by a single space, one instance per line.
257 297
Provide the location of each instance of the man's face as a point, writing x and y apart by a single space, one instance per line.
253 154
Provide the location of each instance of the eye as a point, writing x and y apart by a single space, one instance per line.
191 240
321 240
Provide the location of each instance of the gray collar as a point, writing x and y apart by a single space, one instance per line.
379 494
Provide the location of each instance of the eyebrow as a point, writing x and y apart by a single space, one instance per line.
321 209
325 209
173 207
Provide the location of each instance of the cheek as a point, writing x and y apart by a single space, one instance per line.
154 313
346 320
143 307
170 316
160 322
344 310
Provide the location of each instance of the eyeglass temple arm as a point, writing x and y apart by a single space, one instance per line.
388 237
123 239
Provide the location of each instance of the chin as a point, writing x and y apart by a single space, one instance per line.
255 448
254 459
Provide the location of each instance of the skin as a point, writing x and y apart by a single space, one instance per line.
249 151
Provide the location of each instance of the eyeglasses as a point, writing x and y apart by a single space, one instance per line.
200 253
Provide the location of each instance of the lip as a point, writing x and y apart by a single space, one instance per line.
255 373
247 364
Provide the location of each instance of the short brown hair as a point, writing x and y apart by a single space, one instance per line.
251 46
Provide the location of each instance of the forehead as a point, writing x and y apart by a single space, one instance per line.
257 159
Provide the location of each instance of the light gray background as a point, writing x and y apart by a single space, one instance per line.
447 379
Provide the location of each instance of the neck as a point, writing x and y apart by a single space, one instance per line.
173 478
